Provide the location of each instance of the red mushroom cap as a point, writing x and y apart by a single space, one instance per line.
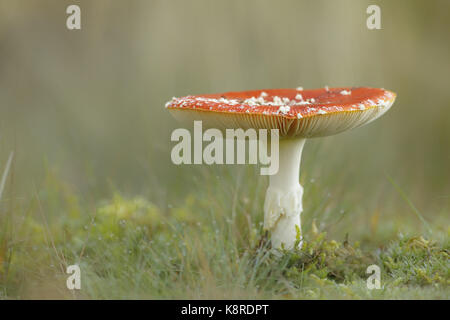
295 112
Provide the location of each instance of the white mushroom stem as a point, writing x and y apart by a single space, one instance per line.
283 203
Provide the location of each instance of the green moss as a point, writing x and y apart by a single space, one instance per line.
417 261
328 259
339 267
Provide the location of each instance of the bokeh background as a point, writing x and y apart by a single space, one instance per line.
88 105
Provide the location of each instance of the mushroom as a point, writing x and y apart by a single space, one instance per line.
298 115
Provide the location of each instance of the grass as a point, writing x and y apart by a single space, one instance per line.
131 248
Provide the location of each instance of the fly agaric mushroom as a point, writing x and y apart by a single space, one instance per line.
298 114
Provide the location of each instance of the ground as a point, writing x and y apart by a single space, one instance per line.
128 247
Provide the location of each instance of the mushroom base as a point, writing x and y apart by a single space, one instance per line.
282 216
283 203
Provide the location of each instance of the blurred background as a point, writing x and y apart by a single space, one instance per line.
87 106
